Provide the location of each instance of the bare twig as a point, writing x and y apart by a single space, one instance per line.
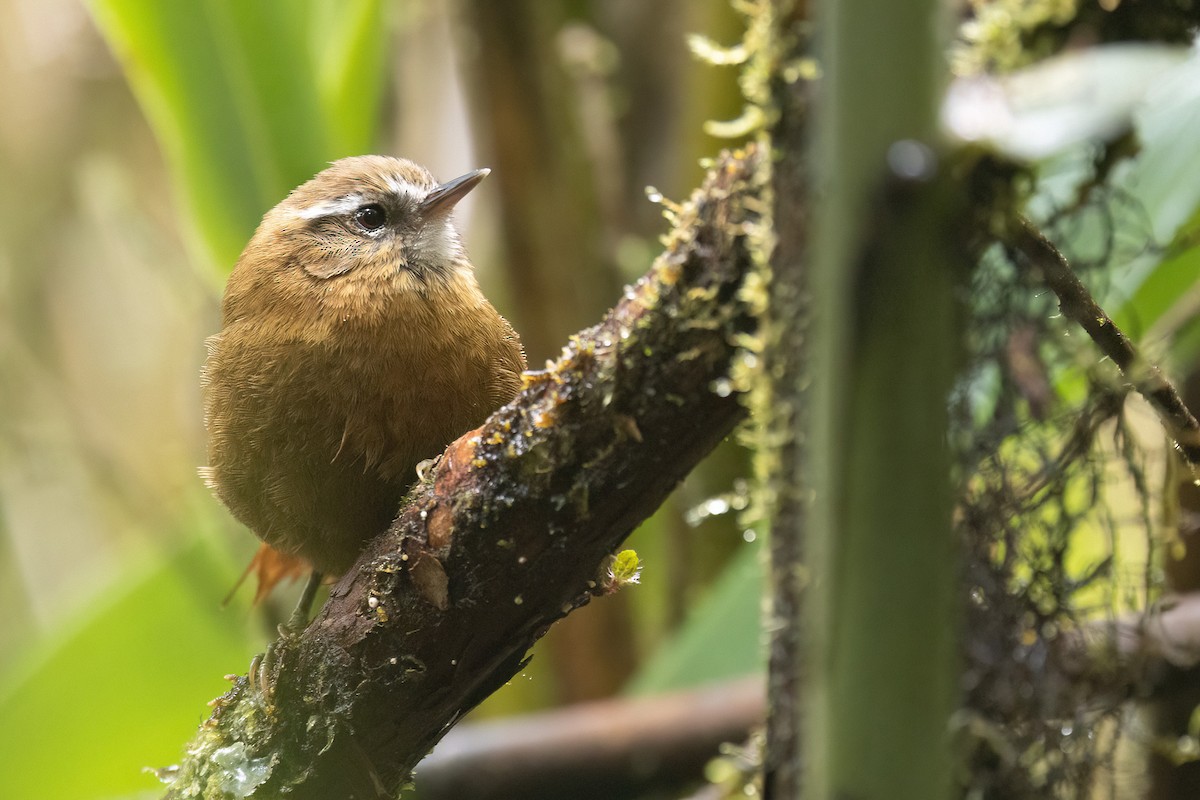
1078 304
511 534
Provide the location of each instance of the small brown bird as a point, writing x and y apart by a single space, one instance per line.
355 343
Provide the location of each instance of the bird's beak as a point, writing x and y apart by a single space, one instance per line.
445 197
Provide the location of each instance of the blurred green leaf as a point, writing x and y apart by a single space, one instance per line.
1166 175
1165 181
121 688
349 43
721 637
249 99
1164 286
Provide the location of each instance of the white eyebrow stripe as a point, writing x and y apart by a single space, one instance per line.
329 208
403 188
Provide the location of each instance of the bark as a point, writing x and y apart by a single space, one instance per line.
552 203
625 747
511 532
613 748
786 323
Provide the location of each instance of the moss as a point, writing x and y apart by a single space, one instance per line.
773 422
1002 34
625 568
224 760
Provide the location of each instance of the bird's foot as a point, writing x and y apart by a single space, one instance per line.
302 614
263 665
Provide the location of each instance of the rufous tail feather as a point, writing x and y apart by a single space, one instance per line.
270 567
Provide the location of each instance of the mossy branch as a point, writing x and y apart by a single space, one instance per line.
512 532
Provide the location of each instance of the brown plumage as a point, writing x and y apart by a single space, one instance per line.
355 343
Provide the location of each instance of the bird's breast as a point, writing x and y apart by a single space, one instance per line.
408 381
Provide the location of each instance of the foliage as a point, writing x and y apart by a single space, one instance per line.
1059 469
1057 474
247 100
250 99
89 709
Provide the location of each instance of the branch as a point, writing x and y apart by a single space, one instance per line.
1141 655
787 353
622 748
1078 305
612 748
512 533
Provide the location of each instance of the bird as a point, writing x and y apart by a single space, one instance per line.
355 343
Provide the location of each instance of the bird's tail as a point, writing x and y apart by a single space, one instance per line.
271 567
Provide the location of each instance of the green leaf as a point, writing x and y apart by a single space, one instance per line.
1164 286
1164 181
349 44
249 99
719 640
121 688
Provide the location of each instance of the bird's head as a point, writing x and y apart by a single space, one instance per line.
365 228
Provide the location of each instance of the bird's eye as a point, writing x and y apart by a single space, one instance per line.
370 217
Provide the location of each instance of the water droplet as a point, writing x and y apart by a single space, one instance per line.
749 535
716 505
912 160
164 774
237 774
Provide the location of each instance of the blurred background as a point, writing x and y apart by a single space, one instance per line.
140 143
